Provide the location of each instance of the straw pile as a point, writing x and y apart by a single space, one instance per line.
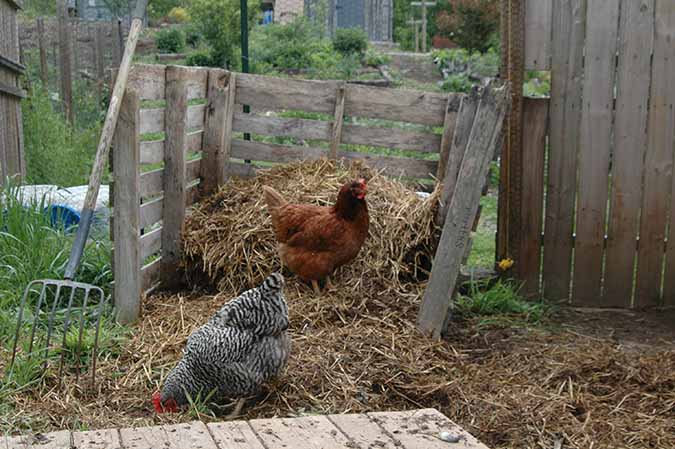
356 349
229 236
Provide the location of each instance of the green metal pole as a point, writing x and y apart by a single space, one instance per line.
244 51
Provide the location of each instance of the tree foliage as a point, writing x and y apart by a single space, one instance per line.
469 23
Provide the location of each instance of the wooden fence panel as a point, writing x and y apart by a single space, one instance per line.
566 70
630 141
658 161
602 22
535 115
538 22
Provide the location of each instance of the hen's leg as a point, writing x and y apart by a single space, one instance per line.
237 409
315 286
329 284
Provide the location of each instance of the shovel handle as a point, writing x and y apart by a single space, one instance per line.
105 140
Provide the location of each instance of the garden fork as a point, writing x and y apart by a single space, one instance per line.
79 293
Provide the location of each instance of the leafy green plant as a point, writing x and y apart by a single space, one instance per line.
178 14
193 37
201 58
457 83
374 58
286 46
170 40
469 23
350 40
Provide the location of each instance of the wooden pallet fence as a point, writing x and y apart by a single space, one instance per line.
604 147
195 114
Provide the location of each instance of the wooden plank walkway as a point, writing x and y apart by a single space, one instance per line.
416 429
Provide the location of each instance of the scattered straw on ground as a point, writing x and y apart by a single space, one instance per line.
357 350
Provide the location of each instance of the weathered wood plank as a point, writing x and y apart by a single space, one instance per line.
213 169
338 119
630 141
126 213
149 81
658 160
151 212
535 115
274 93
420 428
151 243
152 151
395 166
565 113
446 138
538 22
53 440
424 108
483 141
363 432
271 152
594 147
241 170
150 274
460 139
173 214
152 120
193 435
152 182
351 134
44 68
234 435
308 432
97 439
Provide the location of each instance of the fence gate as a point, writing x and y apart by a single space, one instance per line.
590 205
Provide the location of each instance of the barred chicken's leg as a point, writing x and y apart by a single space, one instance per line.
315 286
237 409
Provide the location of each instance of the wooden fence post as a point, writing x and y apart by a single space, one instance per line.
98 57
173 214
44 68
65 61
336 134
126 212
484 139
116 48
218 129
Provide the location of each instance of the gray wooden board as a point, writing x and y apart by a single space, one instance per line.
152 151
152 183
363 432
538 21
214 133
234 435
421 428
484 138
149 81
150 274
193 435
308 432
97 439
152 120
594 148
54 440
636 35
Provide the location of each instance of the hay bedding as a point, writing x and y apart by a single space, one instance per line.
356 350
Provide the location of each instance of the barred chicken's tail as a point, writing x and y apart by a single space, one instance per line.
273 199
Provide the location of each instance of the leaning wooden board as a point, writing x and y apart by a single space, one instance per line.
415 429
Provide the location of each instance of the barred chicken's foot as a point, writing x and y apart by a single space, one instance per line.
237 409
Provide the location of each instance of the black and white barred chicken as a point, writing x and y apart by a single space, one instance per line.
242 346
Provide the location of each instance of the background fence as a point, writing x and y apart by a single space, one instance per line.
11 131
589 172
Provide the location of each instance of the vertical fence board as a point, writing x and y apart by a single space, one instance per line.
214 160
602 21
565 113
173 214
538 18
659 160
630 140
535 115
65 56
44 68
449 130
338 118
98 56
127 263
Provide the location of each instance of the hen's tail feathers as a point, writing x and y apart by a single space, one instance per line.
273 198
274 282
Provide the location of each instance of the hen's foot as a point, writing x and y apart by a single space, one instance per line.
315 286
237 409
329 284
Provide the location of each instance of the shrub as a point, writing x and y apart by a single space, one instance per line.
178 15
287 46
375 58
193 37
170 40
350 40
200 58
457 83
469 23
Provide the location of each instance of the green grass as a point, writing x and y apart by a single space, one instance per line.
501 304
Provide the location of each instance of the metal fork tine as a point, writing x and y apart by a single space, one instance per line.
19 321
37 316
66 324
94 354
50 326
79 341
